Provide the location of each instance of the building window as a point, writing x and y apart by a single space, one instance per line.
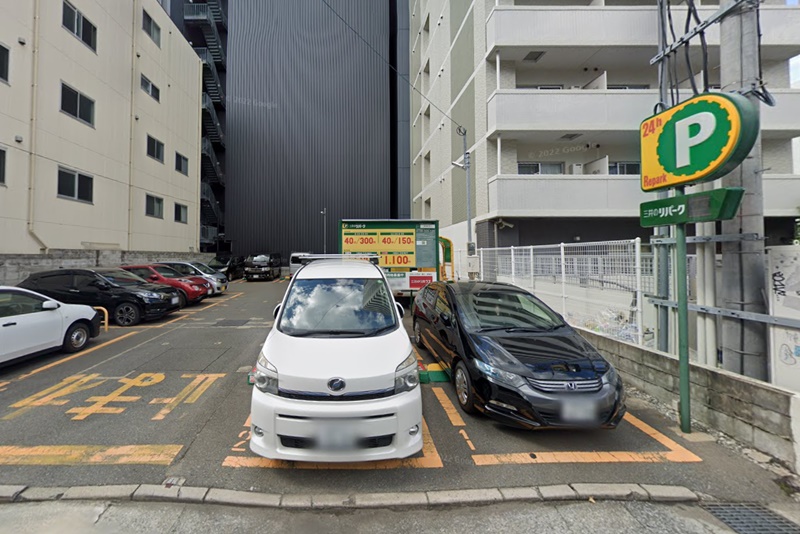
77 104
181 164
549 87
154 207
624 167
535 167
155 149
181 213
2 166
3 63
150 88
629 86
75 185
151 28
74 21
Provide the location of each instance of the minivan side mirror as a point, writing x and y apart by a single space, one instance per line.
400 309
50 305
276 311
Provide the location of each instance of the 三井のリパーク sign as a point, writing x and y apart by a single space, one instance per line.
699 140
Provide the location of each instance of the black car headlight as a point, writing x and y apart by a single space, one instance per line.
611 376
499 375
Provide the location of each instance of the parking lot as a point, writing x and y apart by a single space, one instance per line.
171 399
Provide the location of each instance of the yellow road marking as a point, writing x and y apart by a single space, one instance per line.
466 438
53 396
676 453
89 454
189 394
3 385
419 358
430 459
78 355
449 408
101 403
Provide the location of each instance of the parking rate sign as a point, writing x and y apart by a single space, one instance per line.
696 141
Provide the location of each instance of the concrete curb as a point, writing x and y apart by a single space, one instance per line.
295 501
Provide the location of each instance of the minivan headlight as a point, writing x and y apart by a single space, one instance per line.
406 376
266 380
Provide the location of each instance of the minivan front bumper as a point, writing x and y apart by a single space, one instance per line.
292 429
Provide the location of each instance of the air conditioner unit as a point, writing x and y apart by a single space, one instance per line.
576 168
576 87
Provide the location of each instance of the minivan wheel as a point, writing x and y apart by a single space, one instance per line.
417 335
76 338
127 314
464 391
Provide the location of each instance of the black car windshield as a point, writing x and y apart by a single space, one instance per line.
347 307
497 309
167 272
203 268
218 263
121 277
261 258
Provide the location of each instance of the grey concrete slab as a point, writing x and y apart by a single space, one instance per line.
632 492
558 492
521 494
389 500
192 494
295 501
9 493
111 493
659 493
337 500
242 498
41 494
472 496
155 492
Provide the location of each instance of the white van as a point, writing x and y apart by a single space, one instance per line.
295 261
336 379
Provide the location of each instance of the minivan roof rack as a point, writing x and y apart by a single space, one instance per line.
372 258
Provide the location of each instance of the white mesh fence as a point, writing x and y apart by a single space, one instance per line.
594 285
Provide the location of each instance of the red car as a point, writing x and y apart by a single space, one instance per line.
192 289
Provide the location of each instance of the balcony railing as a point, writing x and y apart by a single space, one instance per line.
593 195
211 80
211 168
211 123
210 210
201 16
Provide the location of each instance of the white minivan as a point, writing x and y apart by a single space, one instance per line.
296 261
336 379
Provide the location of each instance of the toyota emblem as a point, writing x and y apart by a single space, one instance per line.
571 386
336 384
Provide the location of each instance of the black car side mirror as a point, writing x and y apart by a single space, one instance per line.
99 284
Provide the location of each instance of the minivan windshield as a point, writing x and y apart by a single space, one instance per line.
121 277
345 307
203 268
495 309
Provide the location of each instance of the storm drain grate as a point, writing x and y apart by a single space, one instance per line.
751 518
232 322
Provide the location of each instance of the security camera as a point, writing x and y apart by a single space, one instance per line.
459 165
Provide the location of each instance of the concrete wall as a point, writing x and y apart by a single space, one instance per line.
761 416
15 268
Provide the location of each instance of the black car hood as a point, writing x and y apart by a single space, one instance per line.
547 355
158 288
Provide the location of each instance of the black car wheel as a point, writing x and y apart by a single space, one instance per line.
464 391
127 314
76 338
182 300
417 335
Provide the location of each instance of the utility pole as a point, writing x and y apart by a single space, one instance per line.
470 245
662 251
744 347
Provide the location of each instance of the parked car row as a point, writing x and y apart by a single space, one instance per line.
338 360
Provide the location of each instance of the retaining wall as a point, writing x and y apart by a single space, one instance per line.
16 267
760 415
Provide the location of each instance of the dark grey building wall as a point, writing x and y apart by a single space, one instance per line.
308 121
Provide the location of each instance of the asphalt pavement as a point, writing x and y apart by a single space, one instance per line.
168 402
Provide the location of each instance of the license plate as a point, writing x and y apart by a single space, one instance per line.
210 291
338 437
578 411
174 300
223 288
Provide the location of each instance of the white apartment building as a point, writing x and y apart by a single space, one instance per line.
552 93
99 127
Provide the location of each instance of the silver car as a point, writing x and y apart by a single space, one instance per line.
219 282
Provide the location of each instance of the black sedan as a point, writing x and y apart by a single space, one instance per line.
514 359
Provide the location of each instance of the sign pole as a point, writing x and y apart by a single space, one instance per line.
683 323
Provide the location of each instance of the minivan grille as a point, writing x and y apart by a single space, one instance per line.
355 396
567 386
373 442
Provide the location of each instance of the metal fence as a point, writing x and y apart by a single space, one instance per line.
595 285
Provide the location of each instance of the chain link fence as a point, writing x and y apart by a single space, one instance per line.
597 285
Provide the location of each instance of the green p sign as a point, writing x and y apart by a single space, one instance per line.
699 140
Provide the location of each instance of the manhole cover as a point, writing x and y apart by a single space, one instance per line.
751 518
232 322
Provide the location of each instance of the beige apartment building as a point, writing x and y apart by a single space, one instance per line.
552 93
99 128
